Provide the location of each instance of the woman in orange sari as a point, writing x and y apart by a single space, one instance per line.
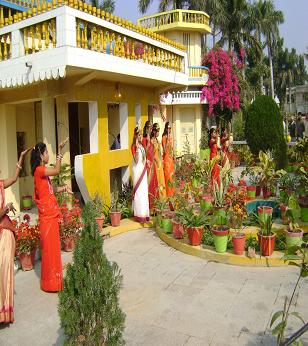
49 216
7 248
214 147
168 159
156 179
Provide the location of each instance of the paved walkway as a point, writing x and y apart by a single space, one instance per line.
169 299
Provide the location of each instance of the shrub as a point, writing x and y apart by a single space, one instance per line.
238 127
89 304
264 129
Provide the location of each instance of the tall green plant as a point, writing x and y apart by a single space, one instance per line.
89 304
62 179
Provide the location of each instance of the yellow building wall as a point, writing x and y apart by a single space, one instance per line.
25 122
96 167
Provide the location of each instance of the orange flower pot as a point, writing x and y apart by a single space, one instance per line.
26 261
68 244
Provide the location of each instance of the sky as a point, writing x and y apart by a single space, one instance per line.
294 30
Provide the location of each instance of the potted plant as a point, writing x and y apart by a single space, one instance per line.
160 206
70 226
251 246
237 214
266 237
97 206
27 241
253 184
219 194
303 180
178 227
221 236
294 235
204 144
264 212
194 223
27 202
115 211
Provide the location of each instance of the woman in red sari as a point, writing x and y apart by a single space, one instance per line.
214 147
7 248
168 159
224 141
49 216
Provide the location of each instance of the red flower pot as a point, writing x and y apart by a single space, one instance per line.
267 244
115 218
251 192
26 261
239 243
258 191
266 193
195 235
100 222
283 209
177 230
68 244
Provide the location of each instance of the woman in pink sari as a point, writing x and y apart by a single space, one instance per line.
7 248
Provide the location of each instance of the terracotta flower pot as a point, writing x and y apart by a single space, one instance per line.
258 191
177 230
115 218
100 222
68 244
267 244
26 261
239 243
283 209
195 235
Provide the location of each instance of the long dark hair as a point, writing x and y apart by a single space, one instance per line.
146 125
154 130
136 133
36 153
165 133
210 134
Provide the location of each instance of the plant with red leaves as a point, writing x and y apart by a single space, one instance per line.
71 222
27 237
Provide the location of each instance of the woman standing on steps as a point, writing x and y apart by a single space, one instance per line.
7 248
49 215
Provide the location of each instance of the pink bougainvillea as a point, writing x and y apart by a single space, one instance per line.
222 90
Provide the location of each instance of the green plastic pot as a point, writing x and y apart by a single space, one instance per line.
204 153
167 225
251 192
220 235
294 238
220 217
304 214
27 202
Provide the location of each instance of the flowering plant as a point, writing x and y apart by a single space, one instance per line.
71 222
222 90
237 208
27 237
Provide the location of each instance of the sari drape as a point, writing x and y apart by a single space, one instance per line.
216 169
49 218
168 165
140 183
7 253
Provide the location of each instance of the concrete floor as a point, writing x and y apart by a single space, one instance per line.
169 299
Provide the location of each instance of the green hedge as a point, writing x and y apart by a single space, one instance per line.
264 129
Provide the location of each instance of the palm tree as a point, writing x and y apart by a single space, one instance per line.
268 20
105 5
163 5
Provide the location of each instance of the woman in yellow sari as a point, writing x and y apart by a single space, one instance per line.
7 248
168 159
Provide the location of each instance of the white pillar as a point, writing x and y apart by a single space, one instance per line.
8 149
49 127
66 30
198 127
18 48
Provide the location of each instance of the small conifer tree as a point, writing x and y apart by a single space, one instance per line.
89 304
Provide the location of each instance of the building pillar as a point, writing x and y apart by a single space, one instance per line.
8 149
178 145
49 127
198 127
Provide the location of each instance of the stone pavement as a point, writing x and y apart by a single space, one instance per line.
169 299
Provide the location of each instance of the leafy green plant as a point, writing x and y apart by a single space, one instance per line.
89 306
192 219
97 205
126 194
204 139
62 179
266 224
207 238
266 170
252 242
114 207
280 319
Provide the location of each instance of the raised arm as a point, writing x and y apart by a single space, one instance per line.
52 171
11 180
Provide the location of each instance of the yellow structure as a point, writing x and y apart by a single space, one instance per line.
67 68
184 109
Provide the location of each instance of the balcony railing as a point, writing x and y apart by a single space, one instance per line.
182 97
42 28
197 71
170 19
